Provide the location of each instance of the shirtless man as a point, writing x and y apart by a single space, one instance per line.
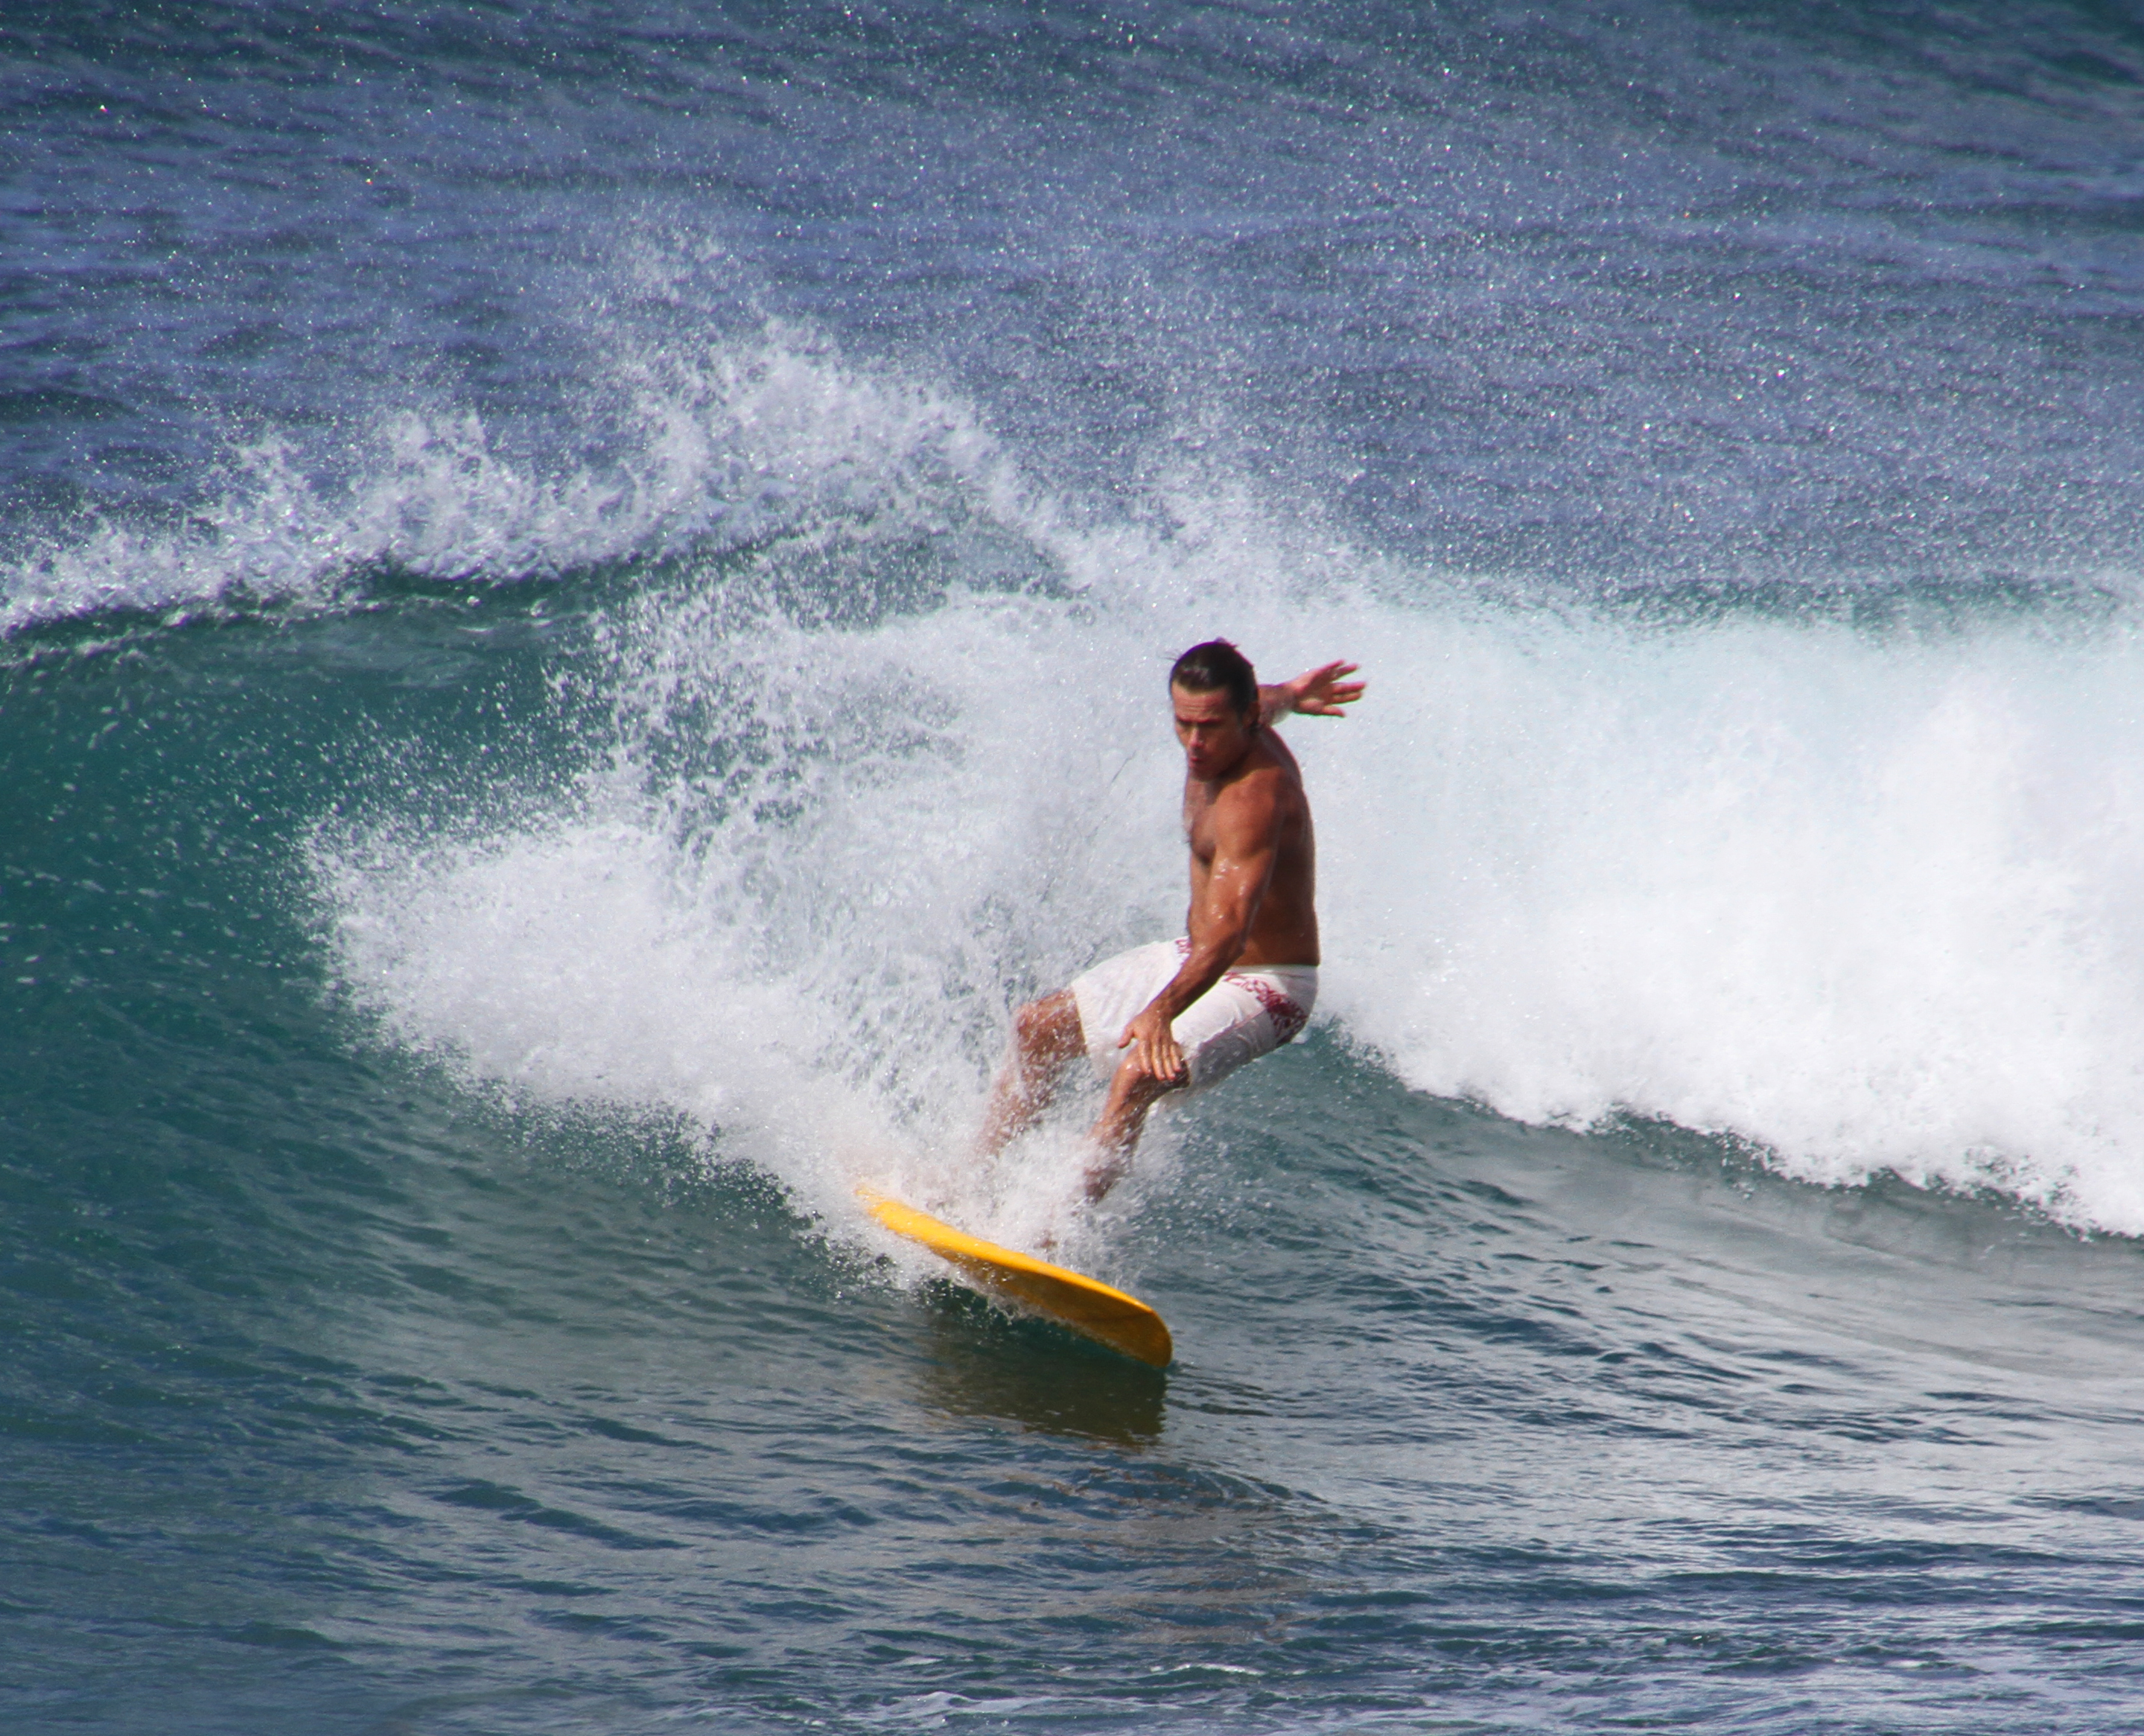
1243 979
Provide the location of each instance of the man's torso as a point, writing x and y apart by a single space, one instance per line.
1284 931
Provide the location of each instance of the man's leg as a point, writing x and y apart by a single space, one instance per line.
1046 1035
1116 1133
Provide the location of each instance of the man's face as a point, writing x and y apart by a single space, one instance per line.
1215 735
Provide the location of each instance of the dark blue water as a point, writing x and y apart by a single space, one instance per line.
584 594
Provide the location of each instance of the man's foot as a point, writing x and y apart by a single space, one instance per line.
1104 1173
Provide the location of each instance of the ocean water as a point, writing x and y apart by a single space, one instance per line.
584 592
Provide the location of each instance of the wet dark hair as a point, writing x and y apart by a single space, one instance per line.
1217 666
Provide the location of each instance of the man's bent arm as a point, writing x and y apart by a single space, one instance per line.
1245 851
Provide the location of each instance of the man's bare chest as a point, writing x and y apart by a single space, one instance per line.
1198 828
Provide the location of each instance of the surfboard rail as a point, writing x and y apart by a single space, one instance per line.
1088 1306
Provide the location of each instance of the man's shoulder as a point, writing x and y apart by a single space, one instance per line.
1266 787
1271 766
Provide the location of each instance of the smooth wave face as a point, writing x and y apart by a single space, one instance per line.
583 603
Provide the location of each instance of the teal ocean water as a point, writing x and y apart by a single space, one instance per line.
583 598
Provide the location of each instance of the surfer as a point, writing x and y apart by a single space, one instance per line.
1180 1015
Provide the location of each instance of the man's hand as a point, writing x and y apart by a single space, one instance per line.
1316 693
1155 1049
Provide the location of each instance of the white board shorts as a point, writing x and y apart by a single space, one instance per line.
1248 1013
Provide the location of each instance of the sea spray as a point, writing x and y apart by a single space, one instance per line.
1865 899
718 447
1862 896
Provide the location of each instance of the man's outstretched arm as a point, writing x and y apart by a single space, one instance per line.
1315 693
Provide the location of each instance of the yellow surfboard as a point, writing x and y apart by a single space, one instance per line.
1087 1305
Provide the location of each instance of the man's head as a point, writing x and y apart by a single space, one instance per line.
1215 693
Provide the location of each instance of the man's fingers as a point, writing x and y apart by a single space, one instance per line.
1150 1057
1321 692
1163 1065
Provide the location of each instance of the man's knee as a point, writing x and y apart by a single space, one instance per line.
1049 1029
1141 1091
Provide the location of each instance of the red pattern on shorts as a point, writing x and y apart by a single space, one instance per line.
1288 1016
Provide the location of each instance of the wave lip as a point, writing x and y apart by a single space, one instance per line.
716 450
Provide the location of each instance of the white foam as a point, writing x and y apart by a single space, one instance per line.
1870 901
713 447
806 934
